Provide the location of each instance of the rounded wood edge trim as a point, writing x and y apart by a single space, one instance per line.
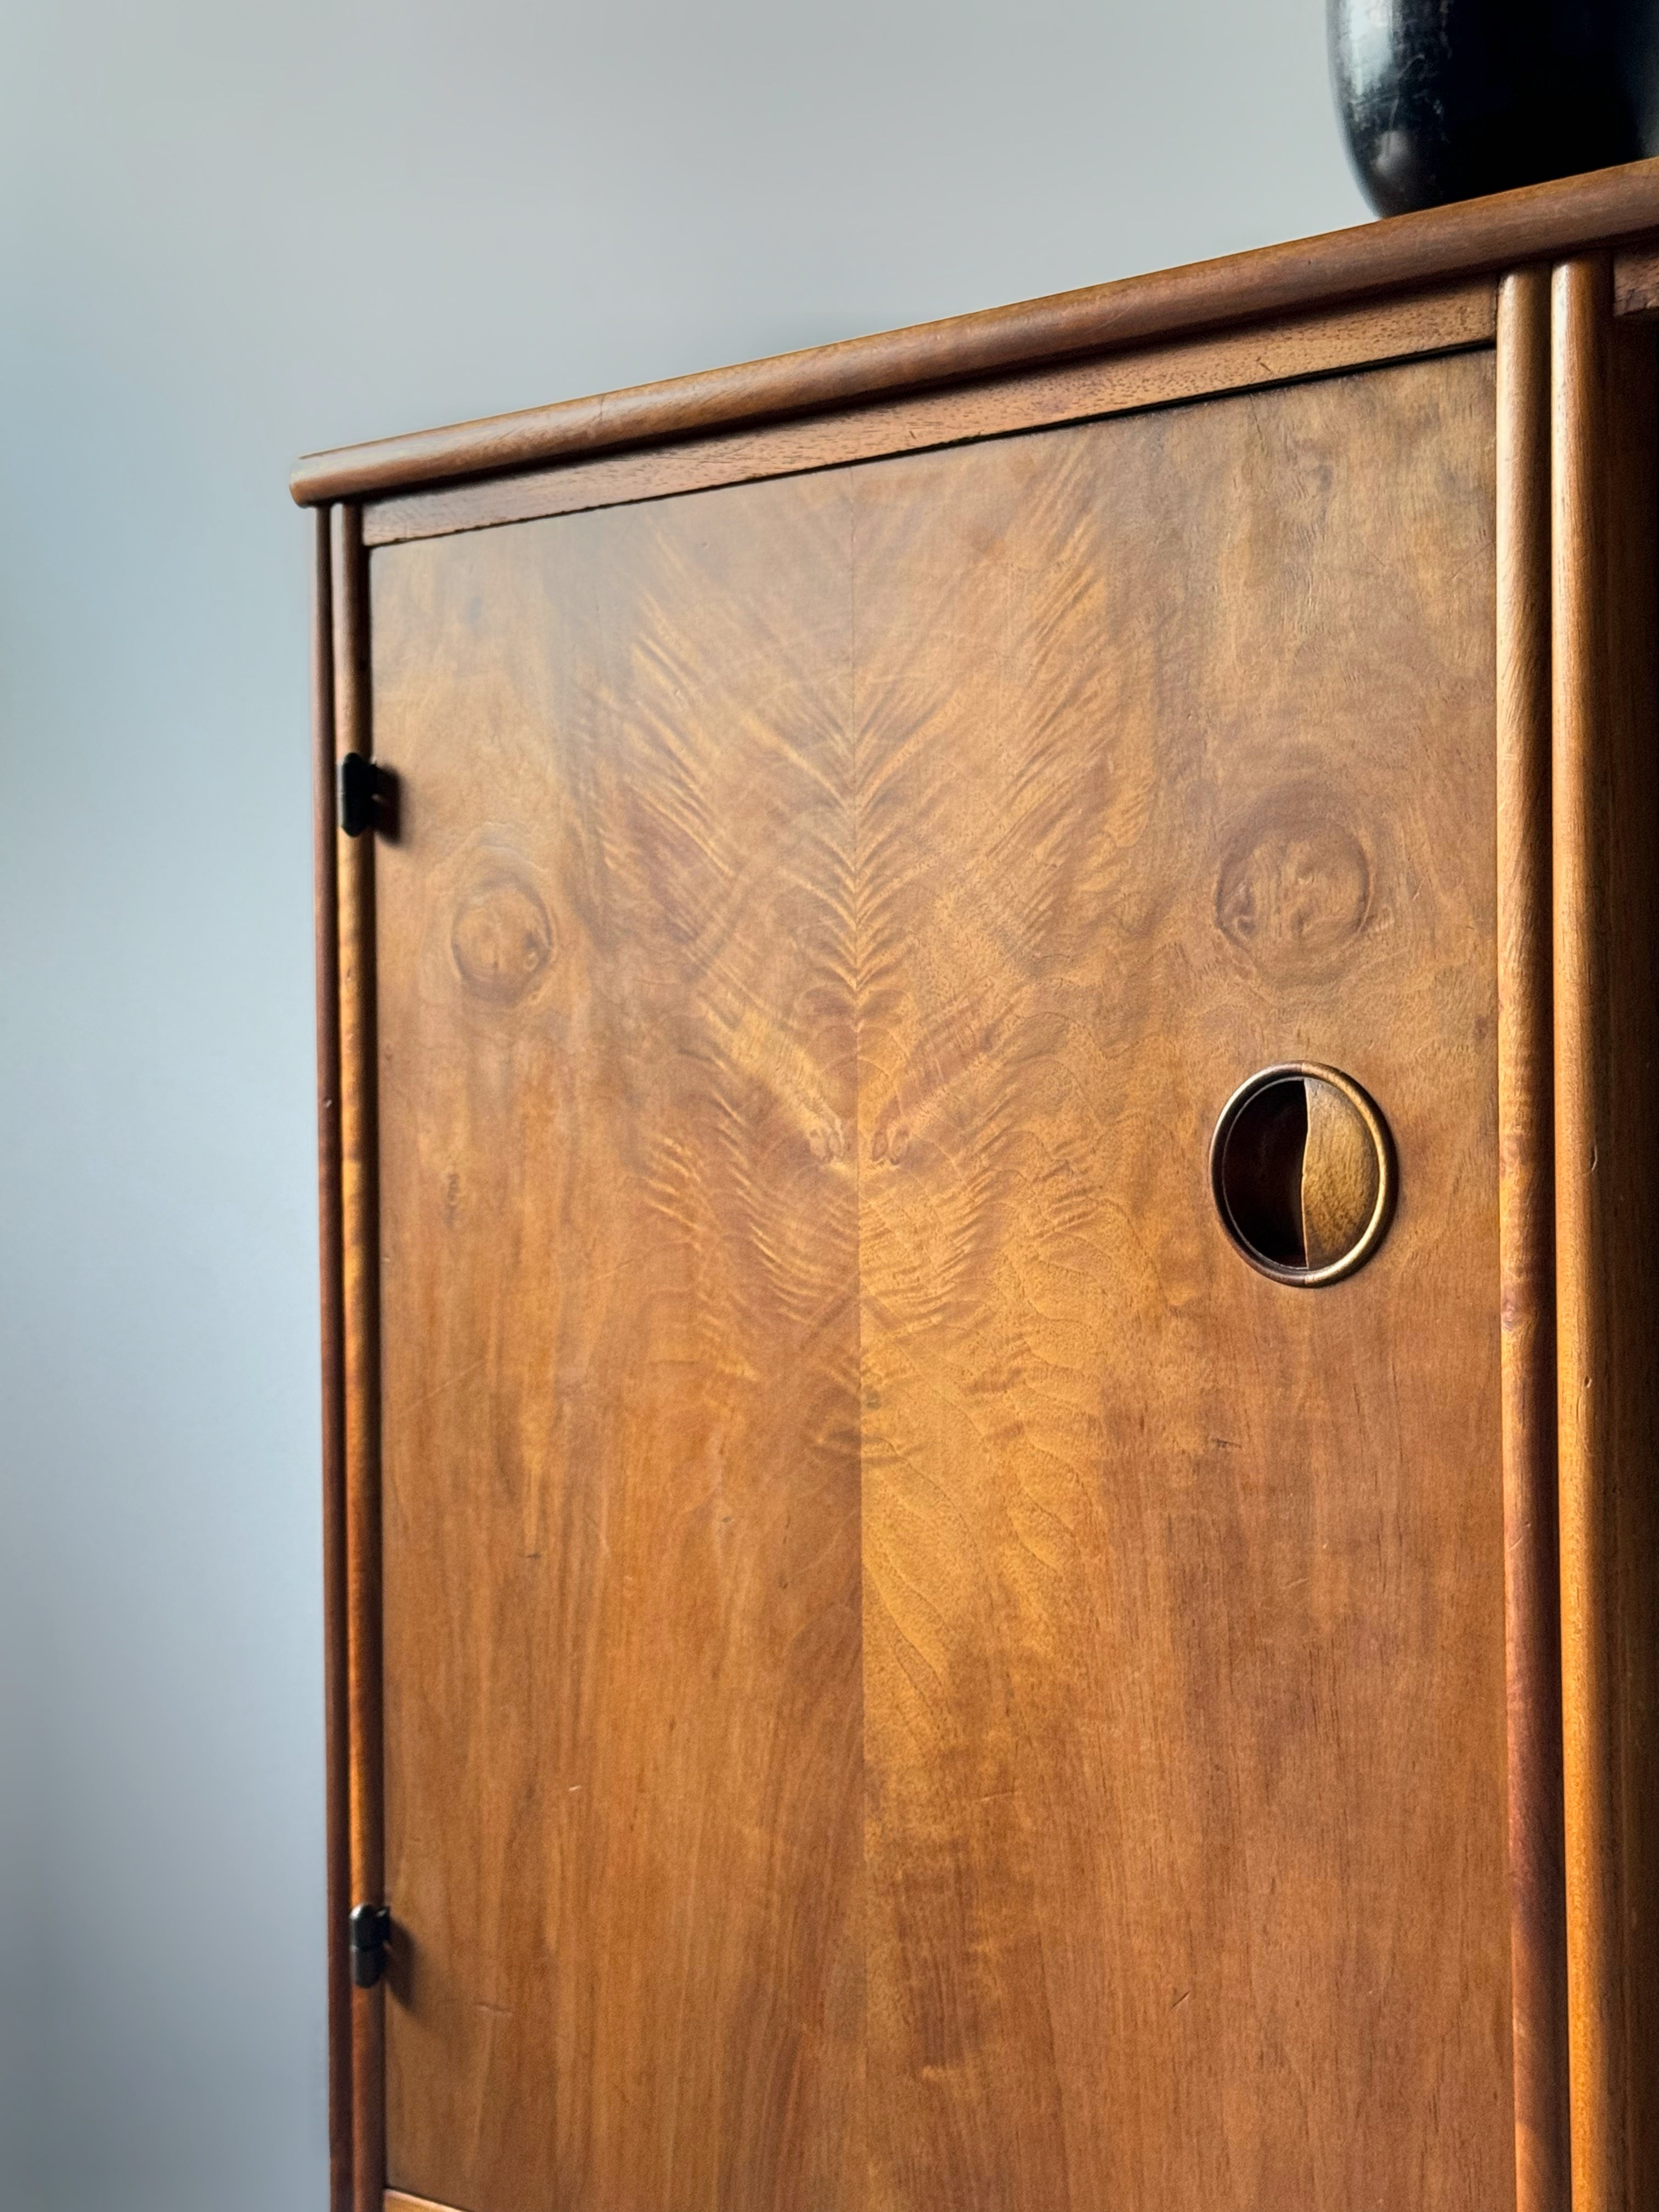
337 1723
1365 334
1473 238
360 1279
1527 1247
1581 330
398 2200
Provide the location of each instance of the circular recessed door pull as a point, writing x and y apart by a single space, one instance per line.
1303 1172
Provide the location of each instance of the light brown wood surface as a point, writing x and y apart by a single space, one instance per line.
914 1677
1409 253
1526 1208
616 964
1151 376
1606 848
1184 1629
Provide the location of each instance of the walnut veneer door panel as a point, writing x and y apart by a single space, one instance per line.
914 1679
1184 1603
621 1547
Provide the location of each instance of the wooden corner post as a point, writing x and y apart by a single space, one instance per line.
1527 1234
1606 908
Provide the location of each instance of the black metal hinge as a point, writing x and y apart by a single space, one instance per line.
368 797
370 1927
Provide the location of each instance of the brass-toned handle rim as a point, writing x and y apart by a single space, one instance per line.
1370 1237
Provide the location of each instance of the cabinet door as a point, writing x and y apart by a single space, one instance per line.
914 1677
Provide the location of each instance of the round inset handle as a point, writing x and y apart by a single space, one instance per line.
1303 1172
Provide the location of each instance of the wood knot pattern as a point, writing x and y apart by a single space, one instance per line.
502 936
1295 888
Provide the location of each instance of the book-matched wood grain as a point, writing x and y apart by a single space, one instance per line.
615 968
912 1674
337 1716
1184 1698
1526 1212
361 1347
1412 252
1151 376
1606 850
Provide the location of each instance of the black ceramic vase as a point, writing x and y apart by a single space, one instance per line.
1444 100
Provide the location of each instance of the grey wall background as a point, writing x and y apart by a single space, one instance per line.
228 233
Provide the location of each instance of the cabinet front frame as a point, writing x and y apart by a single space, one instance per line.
1575 436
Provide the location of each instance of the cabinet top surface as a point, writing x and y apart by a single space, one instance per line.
1472 237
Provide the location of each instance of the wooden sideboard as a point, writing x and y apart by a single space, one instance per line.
935 1598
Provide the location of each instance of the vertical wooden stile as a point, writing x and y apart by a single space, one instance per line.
1631 920
1605 846
336 1722
1581 330
1526 1189
360 1309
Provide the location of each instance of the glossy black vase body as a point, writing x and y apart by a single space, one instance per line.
1444 100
